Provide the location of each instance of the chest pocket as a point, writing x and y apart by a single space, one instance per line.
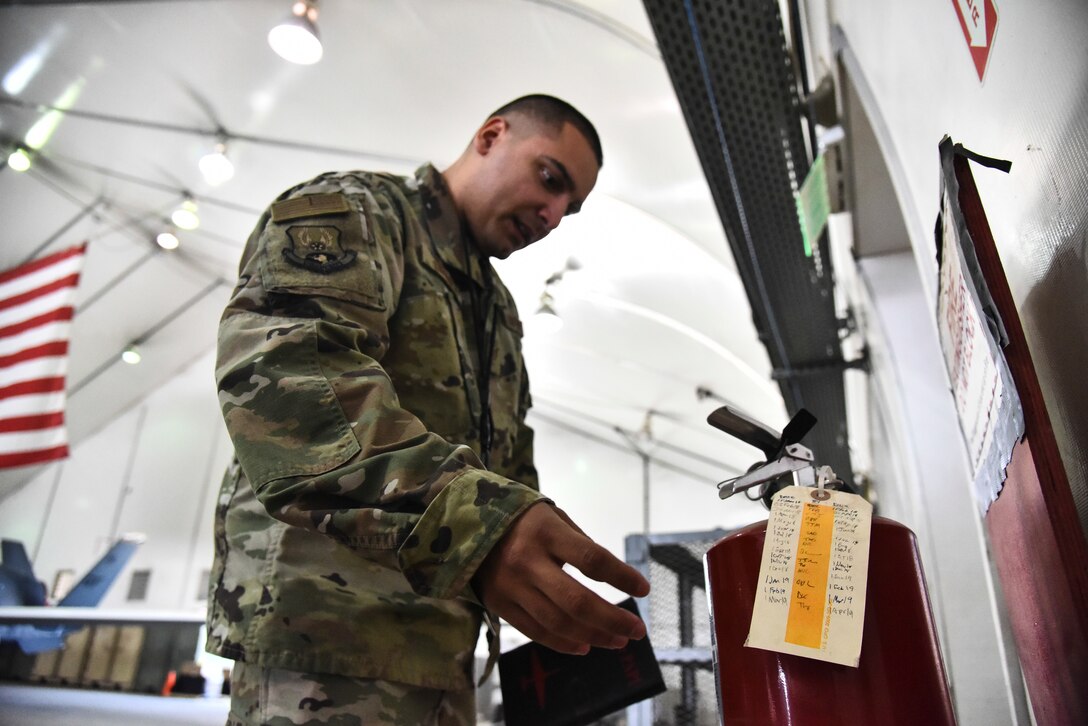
507 377
425 365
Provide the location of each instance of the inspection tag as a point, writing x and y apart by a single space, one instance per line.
810 600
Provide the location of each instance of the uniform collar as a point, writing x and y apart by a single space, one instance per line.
452 241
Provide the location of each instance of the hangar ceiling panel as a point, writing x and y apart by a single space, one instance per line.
148 86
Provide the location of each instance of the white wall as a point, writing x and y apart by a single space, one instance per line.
919 83
1032 109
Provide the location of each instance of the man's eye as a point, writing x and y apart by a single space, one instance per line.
551 181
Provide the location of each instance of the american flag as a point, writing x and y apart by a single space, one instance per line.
36 307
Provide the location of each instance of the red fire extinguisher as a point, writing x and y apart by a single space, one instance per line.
900 677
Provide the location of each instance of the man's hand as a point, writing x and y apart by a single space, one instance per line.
522 580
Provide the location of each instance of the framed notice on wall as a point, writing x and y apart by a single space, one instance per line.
972 337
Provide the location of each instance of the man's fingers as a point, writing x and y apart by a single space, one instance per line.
533 629
594 619
596 562
522 580
566 518
566 627
574 547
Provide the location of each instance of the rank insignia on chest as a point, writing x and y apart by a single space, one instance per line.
317 248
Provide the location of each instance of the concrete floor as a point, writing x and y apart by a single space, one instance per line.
49 706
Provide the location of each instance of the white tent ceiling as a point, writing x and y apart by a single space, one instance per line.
655 310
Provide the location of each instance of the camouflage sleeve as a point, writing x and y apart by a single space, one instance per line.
315 420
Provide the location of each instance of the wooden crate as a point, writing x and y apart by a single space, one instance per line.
96 669
126 657
73 657
45 666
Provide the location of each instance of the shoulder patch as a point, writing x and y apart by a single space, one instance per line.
317 249
311 205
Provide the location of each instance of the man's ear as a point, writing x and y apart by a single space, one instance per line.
489 134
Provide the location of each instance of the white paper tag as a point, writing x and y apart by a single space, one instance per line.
810 600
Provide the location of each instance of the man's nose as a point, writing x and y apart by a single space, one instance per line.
551 213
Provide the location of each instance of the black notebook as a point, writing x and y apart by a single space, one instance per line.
541 687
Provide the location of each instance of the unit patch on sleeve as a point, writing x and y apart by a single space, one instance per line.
317 248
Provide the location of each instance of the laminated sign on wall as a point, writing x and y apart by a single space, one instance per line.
972 337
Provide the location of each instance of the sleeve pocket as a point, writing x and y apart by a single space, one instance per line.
290 422
333 255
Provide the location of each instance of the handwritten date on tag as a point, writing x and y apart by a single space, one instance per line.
810 600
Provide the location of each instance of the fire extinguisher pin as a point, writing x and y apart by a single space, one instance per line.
824 476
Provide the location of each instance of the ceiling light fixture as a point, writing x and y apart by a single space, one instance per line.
38 135
569 266
185 216
546 319
295 39
19 160
131 355
167 240
24 70
216 167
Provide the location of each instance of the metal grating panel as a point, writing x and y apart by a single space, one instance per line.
672 709
734 78
678 620
678 609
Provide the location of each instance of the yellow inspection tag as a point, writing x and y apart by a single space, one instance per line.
808 594
810 600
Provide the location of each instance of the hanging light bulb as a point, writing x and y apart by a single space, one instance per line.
216 166
167 240
131 355
19 160
546 319
185 216
295 39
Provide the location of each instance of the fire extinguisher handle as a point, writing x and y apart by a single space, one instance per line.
748 430
795 458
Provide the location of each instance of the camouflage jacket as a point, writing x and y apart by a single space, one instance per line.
369 363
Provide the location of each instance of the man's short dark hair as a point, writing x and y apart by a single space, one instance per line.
554 112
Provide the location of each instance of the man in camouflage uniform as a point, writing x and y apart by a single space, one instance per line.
371 378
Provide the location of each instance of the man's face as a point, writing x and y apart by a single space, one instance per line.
527 180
